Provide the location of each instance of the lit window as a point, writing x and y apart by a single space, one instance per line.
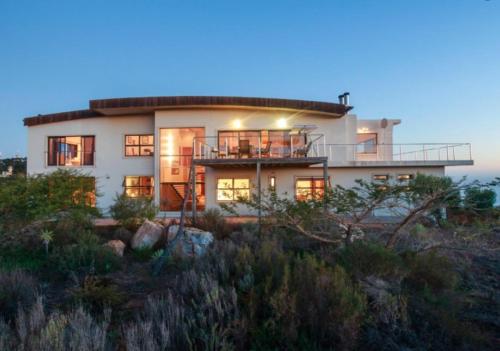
139 145
272 183
309 188
230 189
366 143
139 186
405 177
86 191
380 177
71 151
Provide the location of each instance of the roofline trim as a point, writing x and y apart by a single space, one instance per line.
98 108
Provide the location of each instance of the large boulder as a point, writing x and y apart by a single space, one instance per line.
148 234
193 243
117 246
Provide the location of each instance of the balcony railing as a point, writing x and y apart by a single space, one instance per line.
213 147
398 152
70 159
233 147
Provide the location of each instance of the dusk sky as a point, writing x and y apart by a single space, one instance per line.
434 64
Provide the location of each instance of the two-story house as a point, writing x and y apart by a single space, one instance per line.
226 147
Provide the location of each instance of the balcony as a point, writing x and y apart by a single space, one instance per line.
286 149
313 149
411 154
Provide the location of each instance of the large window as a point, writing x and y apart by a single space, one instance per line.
176 154
71 151
309 188
139 186
366 143
139 145
230 189
245 143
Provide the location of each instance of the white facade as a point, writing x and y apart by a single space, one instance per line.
336 139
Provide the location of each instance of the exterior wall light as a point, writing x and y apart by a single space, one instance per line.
281 123
237 123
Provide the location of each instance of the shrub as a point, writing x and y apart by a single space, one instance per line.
430 272
17 289
35 330
198 314
213 220
88 255
97 293
479 199
13 258
132 212
41 197
143 254
364 258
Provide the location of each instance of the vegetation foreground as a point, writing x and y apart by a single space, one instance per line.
317 275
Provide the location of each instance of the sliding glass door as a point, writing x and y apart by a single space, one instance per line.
176 154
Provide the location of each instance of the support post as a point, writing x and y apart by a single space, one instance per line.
259 196
193 192
325 184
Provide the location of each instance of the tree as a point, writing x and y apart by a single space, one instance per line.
479 199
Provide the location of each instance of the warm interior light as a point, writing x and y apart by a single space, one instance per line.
281 123
363 130
237 123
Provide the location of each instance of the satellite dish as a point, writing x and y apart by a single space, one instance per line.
384 123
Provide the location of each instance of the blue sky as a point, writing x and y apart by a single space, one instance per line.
434 64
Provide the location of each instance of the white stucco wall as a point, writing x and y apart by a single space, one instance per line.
285 178
111 165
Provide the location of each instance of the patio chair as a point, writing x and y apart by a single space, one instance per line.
302 151
266 151
244 147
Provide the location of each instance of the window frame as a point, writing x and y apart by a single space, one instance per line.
312 179
232 189
139 145
139 187
82 151
358 144
375 175
410 176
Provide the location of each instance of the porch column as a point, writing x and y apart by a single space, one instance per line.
193 190
325 184
259 194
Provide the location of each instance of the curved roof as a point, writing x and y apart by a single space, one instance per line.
145 105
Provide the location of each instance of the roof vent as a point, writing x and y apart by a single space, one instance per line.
344 99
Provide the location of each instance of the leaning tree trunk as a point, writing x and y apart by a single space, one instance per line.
170 245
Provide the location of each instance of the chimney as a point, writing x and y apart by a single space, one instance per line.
341 99
346 98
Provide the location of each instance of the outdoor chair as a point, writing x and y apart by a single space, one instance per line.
302 151
266 151
244 148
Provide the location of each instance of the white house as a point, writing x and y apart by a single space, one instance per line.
233 145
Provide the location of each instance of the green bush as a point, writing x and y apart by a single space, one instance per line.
479 199
364 258
97 293
21 258
213 220
42 197
88 255
430 271
132 212
143 254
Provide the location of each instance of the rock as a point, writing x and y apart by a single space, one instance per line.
194 242
148 234
117 246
